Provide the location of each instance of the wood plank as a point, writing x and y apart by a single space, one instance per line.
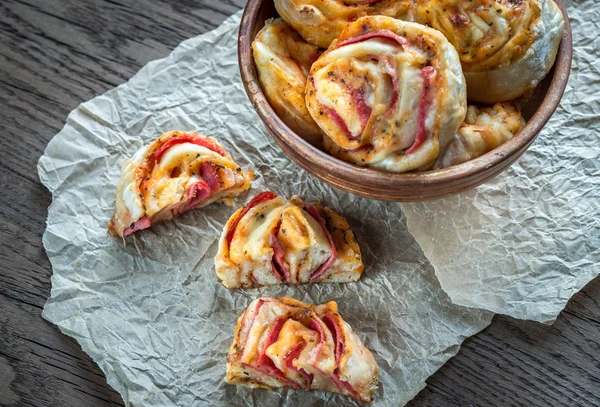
56 54
43 367
515 363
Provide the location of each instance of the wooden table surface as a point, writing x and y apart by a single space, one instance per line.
55 54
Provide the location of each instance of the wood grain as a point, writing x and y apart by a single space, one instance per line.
55 54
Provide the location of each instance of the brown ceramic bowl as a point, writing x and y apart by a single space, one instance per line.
404 187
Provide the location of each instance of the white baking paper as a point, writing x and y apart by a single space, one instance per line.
153 314
524 243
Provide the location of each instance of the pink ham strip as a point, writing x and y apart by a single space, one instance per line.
196 193
390 69
424 105
312 211
335 117
264 364
277 262
271 339
186 138
403 42
362 108
140 224
288 361
338 383
201 190
335 329
358 95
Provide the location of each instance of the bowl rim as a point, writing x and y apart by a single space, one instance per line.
508 151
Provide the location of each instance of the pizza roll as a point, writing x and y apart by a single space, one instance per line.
285 343
484 129
506 47
283 60
176 173
388 94
320 22
273 241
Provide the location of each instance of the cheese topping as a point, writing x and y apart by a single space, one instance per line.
175 173
387 94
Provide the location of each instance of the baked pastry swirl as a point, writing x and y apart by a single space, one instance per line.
506 47
176 173
285 343
273 241
484 129
283 60
321 21
388 94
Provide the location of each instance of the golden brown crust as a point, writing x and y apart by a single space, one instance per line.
177 172
283 60
285 343
320 22
388 94
486 33
506 46
281 241
484 129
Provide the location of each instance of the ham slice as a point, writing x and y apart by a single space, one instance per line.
201 190
263 359
289 358
336 331
140 224
186 139
428 73
195 194
390 69
335 117
333 378
362 108
264 364
262 197
277 262
290 344
403 42
314 212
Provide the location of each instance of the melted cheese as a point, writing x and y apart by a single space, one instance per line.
283 60
249 258
171 175
320 22
484 129
506 47
383 60
156 189
293 333
356 366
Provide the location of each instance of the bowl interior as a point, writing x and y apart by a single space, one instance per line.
537 110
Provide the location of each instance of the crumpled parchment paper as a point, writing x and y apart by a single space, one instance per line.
524 243
153 314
